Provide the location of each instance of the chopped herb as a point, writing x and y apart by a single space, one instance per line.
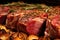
12 10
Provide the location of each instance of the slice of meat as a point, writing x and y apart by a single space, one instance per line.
32 21
53 22
11 20
54 26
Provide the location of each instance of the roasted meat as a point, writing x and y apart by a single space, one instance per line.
28 21
32 20
53 23
11 20
55 26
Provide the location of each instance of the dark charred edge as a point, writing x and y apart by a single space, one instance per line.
3 19
10 38
22 28
51 38
42 29
4 22
13 30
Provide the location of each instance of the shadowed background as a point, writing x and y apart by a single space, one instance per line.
48 2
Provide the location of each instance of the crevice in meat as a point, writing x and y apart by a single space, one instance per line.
42 29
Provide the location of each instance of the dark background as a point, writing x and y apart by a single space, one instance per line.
48 2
